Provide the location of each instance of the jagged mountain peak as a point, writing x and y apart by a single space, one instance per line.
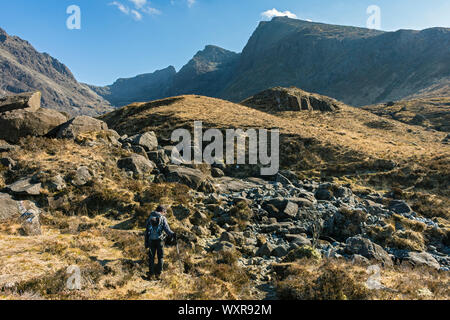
24 69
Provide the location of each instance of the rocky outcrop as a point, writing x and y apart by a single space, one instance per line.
30 101
422 259
26 186
137 164
79 125
191 177
8 207
290 99
147 140
368 249
23 122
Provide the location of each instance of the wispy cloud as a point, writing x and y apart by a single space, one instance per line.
139 3
190 3
121 7
141 7
269 14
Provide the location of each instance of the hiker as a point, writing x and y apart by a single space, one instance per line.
155 225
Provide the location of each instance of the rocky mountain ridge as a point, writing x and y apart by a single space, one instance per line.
24 69
355 65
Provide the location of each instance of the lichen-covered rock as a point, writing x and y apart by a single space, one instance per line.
368 249
422 259
148 140
30 101
78 125
302 252
137 164
22 123
25 186
82 176
8 207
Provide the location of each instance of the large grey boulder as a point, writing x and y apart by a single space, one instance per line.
25 186
8 207
30 101
191 177
159 157
265 250
22 123
137 164
368 249
399 206
78 125
82 176
148 140
29 219
281 208
422 259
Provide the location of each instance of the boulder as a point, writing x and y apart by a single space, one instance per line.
290 99
298 239
228 237
265 250
22 123
57 183
29 219
281 208
223 246
25 186
8 207
30 101
307 252
399 206
159 157
137 164
191 177
181 212
279 251
368 249
82 177
147 140
422 259
323 194
78 125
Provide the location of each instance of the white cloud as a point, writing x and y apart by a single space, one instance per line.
275 13
141 8
191 3
136 15
151 11
139 3
121 7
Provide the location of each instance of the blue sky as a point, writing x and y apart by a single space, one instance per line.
124 38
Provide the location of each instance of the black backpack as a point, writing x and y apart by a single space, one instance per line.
155 227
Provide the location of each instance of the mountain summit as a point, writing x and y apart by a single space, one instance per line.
355 65
24 69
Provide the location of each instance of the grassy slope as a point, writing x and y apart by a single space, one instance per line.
113 260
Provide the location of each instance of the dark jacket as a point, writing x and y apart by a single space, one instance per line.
163 226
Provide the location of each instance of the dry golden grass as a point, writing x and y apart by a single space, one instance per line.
342 280
432 112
